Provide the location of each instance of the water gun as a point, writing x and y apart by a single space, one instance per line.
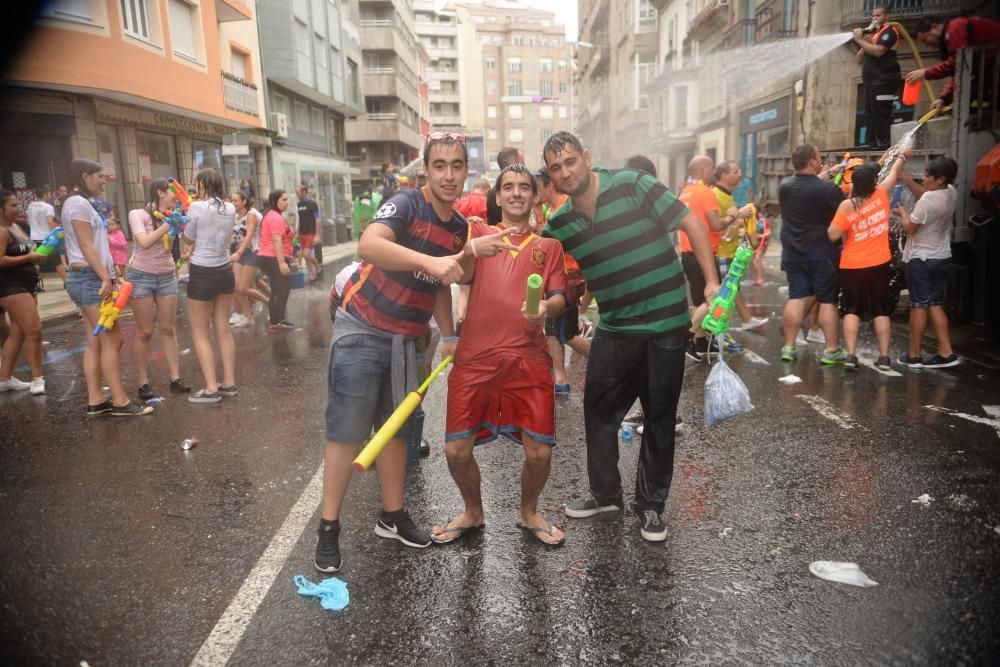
177 221
112 308
367 456
183 198
52 242
721 311
533 294
841 168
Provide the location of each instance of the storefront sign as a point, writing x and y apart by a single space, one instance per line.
235 149
765 116
119 113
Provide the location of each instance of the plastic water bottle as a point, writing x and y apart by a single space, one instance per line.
626 435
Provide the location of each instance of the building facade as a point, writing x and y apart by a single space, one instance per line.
191 88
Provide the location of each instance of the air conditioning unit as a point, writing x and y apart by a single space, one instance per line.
279 123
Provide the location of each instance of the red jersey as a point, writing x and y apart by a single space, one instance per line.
472 205
493 323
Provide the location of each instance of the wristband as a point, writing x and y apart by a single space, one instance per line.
449 339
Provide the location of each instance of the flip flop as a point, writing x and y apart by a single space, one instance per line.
460 532
533 533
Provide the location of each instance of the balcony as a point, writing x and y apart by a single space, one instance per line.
378 127
383 35
388 82
739 36
239 95
776 19
446 120
715 16
856 12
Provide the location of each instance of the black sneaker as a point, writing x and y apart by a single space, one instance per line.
585 507
231 390
425 448
910 362
131 409
852 362
327 558
146 393
636 418
99 409
695 350
884 363
179 386
651 527
937 361
399 526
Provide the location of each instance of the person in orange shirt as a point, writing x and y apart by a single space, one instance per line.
863 222
698 196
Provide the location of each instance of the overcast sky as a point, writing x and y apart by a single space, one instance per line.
565 11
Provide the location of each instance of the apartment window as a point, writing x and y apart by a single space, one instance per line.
563 112
547 133
516 135
239 64
515 111
491 63
485 40
280 103
182 28
352 81
545 65
563 88
491 111
514 87
545 88
533 40
497 40
514 65
320 50
491 87
317 121
645 16
78 10
301 117
135 17
491 133
545 112
562 66
680 107
517 40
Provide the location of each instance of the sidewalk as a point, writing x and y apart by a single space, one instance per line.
54 304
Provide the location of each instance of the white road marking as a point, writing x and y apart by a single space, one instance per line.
889 373
825 408
991 410
755 358
228 632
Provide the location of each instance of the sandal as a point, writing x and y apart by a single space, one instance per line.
460 532
534 534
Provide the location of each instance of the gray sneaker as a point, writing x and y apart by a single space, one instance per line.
585 507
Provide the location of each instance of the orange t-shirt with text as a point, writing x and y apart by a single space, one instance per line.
701 200
866 233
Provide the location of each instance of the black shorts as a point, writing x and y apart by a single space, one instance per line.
814 277
207 282
865 292
695 278
565 327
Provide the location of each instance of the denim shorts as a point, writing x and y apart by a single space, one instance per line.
84 287
152 284
926 280
812 278
359 385
248 258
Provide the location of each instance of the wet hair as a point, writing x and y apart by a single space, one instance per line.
516 168
927 23
246 197
942 167
559 142
724 168
42 191
444 141
385 165
543 173
156 186
79 168
641 163
864 181
803 155
507 156
211 180
272 199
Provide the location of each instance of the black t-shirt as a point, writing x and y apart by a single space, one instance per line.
808 205
308 214
882 72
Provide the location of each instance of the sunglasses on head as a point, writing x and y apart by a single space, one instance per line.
438 136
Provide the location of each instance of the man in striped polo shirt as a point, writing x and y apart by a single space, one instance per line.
618 225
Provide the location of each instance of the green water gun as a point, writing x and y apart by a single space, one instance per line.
721 311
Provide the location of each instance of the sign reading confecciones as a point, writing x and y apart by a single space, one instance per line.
766 116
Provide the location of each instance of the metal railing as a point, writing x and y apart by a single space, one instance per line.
858 11
377 23
382 116
776 19
239 95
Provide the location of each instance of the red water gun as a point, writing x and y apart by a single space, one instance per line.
183 198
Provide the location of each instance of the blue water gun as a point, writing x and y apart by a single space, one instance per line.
52 242
176 220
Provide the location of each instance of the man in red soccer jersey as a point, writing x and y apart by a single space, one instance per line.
502 380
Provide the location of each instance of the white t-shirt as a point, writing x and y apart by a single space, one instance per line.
38 218
211 229
933 215
78 208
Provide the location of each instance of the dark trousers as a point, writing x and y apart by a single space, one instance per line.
281 287
878 107
620 370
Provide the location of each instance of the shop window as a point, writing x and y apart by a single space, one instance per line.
206 154
157 158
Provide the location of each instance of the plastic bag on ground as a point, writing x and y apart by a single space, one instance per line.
332 592
725 394
844 573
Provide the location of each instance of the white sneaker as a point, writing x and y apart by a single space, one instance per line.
816 336
13 384
753 323
234 318
800 339
37 386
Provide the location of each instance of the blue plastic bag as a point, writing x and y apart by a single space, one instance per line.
332 592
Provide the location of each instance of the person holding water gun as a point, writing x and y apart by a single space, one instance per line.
502 381
727 177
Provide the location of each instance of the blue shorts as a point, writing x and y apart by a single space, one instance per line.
84 287
152 284
926 280
812 278
359 385
248 258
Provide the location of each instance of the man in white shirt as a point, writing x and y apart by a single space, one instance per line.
41 214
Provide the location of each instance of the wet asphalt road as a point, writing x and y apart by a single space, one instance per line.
121 549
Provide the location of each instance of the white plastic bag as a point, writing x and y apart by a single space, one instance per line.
844 573
725 394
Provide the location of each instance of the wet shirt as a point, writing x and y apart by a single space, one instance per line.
808 205
78 208
729 240
493 324
154 259
882 71
866 233
210 226
701 200
933 215
402 301
627 254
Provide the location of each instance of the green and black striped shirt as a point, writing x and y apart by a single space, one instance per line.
627 253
